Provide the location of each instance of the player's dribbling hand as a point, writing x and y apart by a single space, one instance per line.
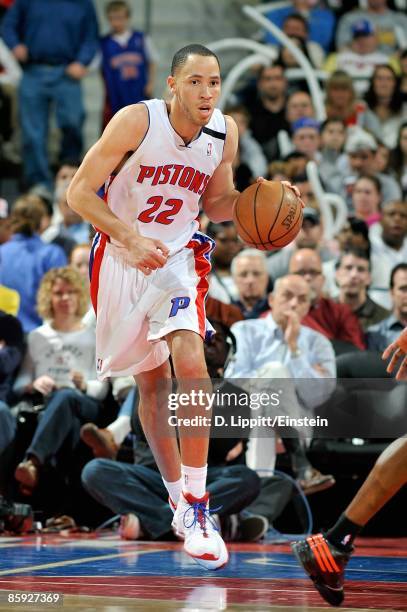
397 350
293 188
147 254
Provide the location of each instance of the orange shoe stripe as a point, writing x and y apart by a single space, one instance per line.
323 554
329 554
315 552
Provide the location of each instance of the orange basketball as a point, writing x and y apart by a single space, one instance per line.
268 215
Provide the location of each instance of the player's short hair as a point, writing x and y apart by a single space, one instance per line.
117 5
182 55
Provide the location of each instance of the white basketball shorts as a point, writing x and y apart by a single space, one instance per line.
135 312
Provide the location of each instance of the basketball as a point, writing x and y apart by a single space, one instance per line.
268 215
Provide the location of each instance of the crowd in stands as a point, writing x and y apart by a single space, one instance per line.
300 315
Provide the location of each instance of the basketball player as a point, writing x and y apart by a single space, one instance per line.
324 557
149 264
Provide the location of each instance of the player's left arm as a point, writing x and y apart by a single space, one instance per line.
220 194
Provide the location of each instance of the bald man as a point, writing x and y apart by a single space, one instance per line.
325 556
335 321
278 346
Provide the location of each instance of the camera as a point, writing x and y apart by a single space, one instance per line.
14 517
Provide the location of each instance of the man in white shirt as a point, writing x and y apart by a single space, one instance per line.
278 346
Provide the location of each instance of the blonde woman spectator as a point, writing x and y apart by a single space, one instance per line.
59 367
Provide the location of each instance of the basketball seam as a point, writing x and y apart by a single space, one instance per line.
254 213
288 231
242 226
278 212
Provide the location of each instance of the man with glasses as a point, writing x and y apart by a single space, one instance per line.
335 321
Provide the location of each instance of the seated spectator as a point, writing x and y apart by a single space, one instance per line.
299 104
384 20
341 102
353 278
128 61
321 21
249 272
385 104
26 251
361 148
398 158
125 488
382 159
11 354
278 346
382 334
227 245
79 260
251 152
310 236
60 366
331 154
267 114
295 164
295 26
69 230
361 57
287 59
306 138
389 248
366 200
335 321
353 235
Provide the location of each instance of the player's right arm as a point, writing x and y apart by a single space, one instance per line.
124 133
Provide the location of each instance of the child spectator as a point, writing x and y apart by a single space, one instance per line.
128 61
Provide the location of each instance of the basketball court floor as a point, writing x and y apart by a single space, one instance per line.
103 572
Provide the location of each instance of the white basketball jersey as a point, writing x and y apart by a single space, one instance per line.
157 191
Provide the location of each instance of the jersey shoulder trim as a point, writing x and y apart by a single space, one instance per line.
214 133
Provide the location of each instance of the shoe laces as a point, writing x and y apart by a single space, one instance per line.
200 514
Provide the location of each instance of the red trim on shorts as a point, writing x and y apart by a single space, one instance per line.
97 262
202 268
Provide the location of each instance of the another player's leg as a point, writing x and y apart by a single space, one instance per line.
192 517
324 557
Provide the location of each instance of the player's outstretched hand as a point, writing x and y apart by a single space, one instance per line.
147 254
397 350
294 188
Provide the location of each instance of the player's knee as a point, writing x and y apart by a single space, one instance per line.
186 368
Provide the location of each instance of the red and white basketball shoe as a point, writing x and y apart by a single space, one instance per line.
202 539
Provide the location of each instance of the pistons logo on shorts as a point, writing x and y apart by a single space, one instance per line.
179 303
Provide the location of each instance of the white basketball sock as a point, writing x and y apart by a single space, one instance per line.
174 489
194 480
